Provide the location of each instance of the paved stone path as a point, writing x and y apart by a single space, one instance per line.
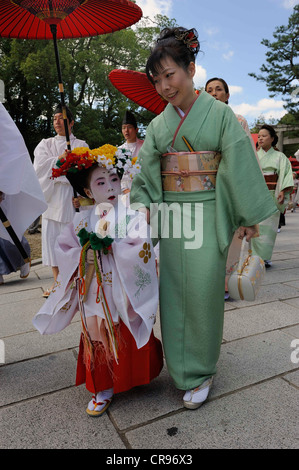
253 402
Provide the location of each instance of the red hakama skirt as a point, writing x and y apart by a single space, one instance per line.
135 366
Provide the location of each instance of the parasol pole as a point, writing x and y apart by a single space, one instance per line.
14 236
53 28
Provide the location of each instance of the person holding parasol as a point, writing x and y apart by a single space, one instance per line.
58 193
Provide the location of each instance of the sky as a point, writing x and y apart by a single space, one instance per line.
230 34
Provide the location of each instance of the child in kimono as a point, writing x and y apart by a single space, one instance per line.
108 273
211 178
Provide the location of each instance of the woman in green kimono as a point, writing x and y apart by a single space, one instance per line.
277 171
192 272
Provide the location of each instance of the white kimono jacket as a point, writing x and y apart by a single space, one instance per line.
58 193
24 200
129 275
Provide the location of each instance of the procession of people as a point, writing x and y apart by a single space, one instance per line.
197 167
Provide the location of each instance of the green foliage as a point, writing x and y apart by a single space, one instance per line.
255 127
281 69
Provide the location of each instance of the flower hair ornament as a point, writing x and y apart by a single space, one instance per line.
107 156
189 38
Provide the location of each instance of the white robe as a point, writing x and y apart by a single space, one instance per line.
129 275
58 192
24 200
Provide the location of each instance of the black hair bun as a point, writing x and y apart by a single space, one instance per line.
189 37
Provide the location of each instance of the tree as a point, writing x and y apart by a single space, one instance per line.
260 121
281 71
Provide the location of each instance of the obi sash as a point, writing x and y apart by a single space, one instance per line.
271 180
189 171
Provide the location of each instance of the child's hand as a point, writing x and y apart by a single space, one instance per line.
90 256
76 202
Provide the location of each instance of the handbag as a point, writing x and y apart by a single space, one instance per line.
245 280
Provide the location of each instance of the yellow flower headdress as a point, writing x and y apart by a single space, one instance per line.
108 156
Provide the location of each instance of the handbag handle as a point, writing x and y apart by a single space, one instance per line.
242 263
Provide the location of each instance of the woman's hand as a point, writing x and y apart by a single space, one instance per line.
280 197
249 232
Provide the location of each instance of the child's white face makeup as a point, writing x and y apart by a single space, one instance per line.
104 186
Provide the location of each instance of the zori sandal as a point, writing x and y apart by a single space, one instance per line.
95 408
46 293
194 398
100 403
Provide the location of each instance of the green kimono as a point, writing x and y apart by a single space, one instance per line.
192 280
273 162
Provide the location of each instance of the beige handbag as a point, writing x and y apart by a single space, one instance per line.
245 280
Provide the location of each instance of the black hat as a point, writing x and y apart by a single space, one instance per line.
129 118
58 109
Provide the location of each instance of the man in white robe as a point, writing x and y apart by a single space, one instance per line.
58 193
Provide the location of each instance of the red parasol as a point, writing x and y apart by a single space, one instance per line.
254 138
55 19
31 19
61 19
137 87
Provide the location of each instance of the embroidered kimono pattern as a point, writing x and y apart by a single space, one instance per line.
235 246
129 282
192 280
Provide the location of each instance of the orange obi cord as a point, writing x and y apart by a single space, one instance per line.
82 259
100 298
82 288
111 329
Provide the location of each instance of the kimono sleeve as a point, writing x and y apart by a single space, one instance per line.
43 163
242 196
285 180
286 171
44 160
61 306
135 262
